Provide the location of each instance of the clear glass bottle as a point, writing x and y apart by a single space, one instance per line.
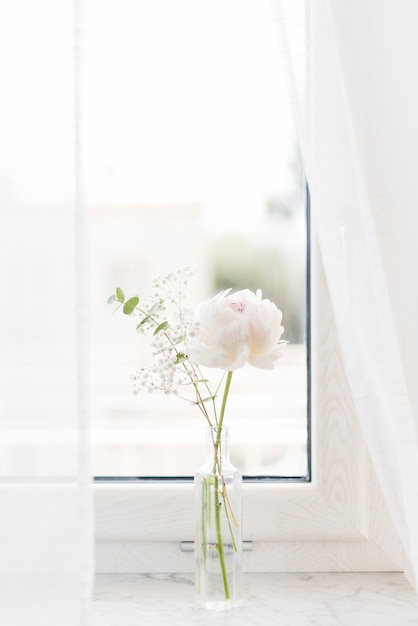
218 540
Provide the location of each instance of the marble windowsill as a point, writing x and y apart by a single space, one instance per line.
358 599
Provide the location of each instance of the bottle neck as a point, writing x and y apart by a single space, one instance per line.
217 447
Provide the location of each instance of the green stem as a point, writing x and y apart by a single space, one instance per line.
218 469
223 406
219 541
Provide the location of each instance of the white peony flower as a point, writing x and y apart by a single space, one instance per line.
235 329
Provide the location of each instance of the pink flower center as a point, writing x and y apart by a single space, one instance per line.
238 307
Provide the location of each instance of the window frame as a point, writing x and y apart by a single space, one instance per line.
336 522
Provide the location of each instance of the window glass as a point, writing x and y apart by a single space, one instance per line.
191 160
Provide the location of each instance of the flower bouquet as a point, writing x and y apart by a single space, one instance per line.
224 333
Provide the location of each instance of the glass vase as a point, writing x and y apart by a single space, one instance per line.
218 540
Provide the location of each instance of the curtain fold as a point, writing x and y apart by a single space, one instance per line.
46 564
354 90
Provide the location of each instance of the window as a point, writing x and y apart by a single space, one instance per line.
322 525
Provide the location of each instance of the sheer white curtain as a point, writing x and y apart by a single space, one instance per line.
355 94
45 511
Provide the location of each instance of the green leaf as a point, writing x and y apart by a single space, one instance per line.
154 308
111 299
120 295
180 358
209 399
130 305
161 327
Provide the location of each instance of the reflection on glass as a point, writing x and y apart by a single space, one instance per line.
191 160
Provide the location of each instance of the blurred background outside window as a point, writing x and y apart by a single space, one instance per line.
191 160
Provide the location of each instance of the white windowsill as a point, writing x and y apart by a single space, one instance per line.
329 599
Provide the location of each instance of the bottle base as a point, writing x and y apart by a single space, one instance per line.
219 605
